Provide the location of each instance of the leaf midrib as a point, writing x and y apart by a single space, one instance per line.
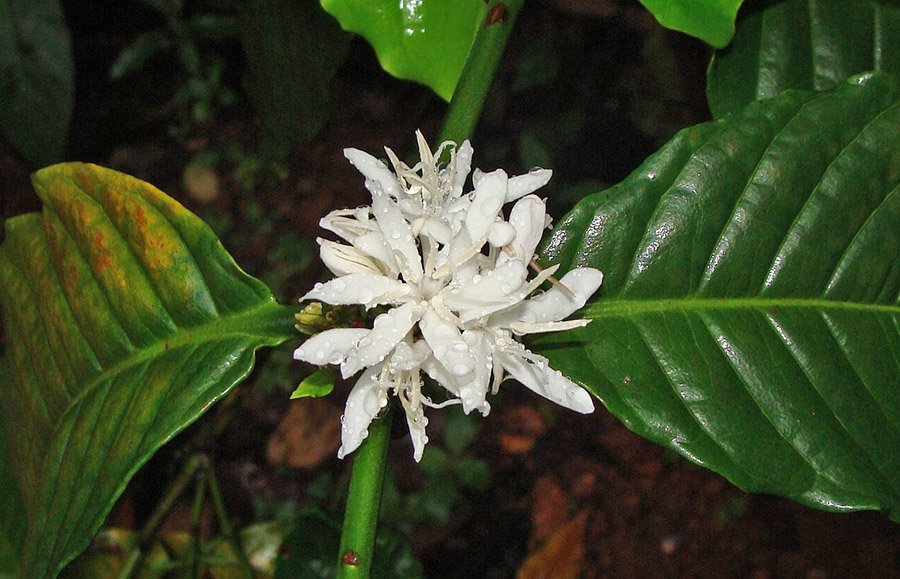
259 318
610 308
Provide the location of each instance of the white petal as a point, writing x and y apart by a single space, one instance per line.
368 289
408 356
474 392
501 233
344 259
376 172
522 328
554 304
389 328
398 236
446 342
374 245
415 419
527 217
522 185
463 165
489 196
331 346
366 400
536 373
348 223
441 375
496 290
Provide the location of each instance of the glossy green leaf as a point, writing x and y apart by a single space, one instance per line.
36 81
125 320
712 21
293 51
749 314
311 549
427 42
319 383
802 44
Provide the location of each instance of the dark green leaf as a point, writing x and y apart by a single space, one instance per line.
36 85
134 56
749 314
293 51
427 42
311 550
712 21
803 44
215 26
125 320
319 383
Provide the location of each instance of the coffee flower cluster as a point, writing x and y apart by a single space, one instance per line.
453 272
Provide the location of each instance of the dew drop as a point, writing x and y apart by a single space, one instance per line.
460 369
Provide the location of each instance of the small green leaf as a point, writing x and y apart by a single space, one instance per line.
134 56
749 314
293 51
803 44
36 84
427 42
319 383
712 21
125 320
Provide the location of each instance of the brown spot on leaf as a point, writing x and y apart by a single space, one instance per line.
350 558
497 14
103 259
85 178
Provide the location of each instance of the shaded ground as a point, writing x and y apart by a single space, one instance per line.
556 478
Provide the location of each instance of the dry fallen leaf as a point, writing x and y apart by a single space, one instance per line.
309 433
562 555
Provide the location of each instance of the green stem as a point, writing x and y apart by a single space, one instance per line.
225 526
148 533
196 515
478 72
363 502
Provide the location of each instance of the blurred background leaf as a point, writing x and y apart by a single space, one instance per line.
293 50
310 550
36 78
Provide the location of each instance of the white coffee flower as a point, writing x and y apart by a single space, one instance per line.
455 275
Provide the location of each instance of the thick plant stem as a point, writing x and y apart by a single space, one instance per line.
478 72
363 502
